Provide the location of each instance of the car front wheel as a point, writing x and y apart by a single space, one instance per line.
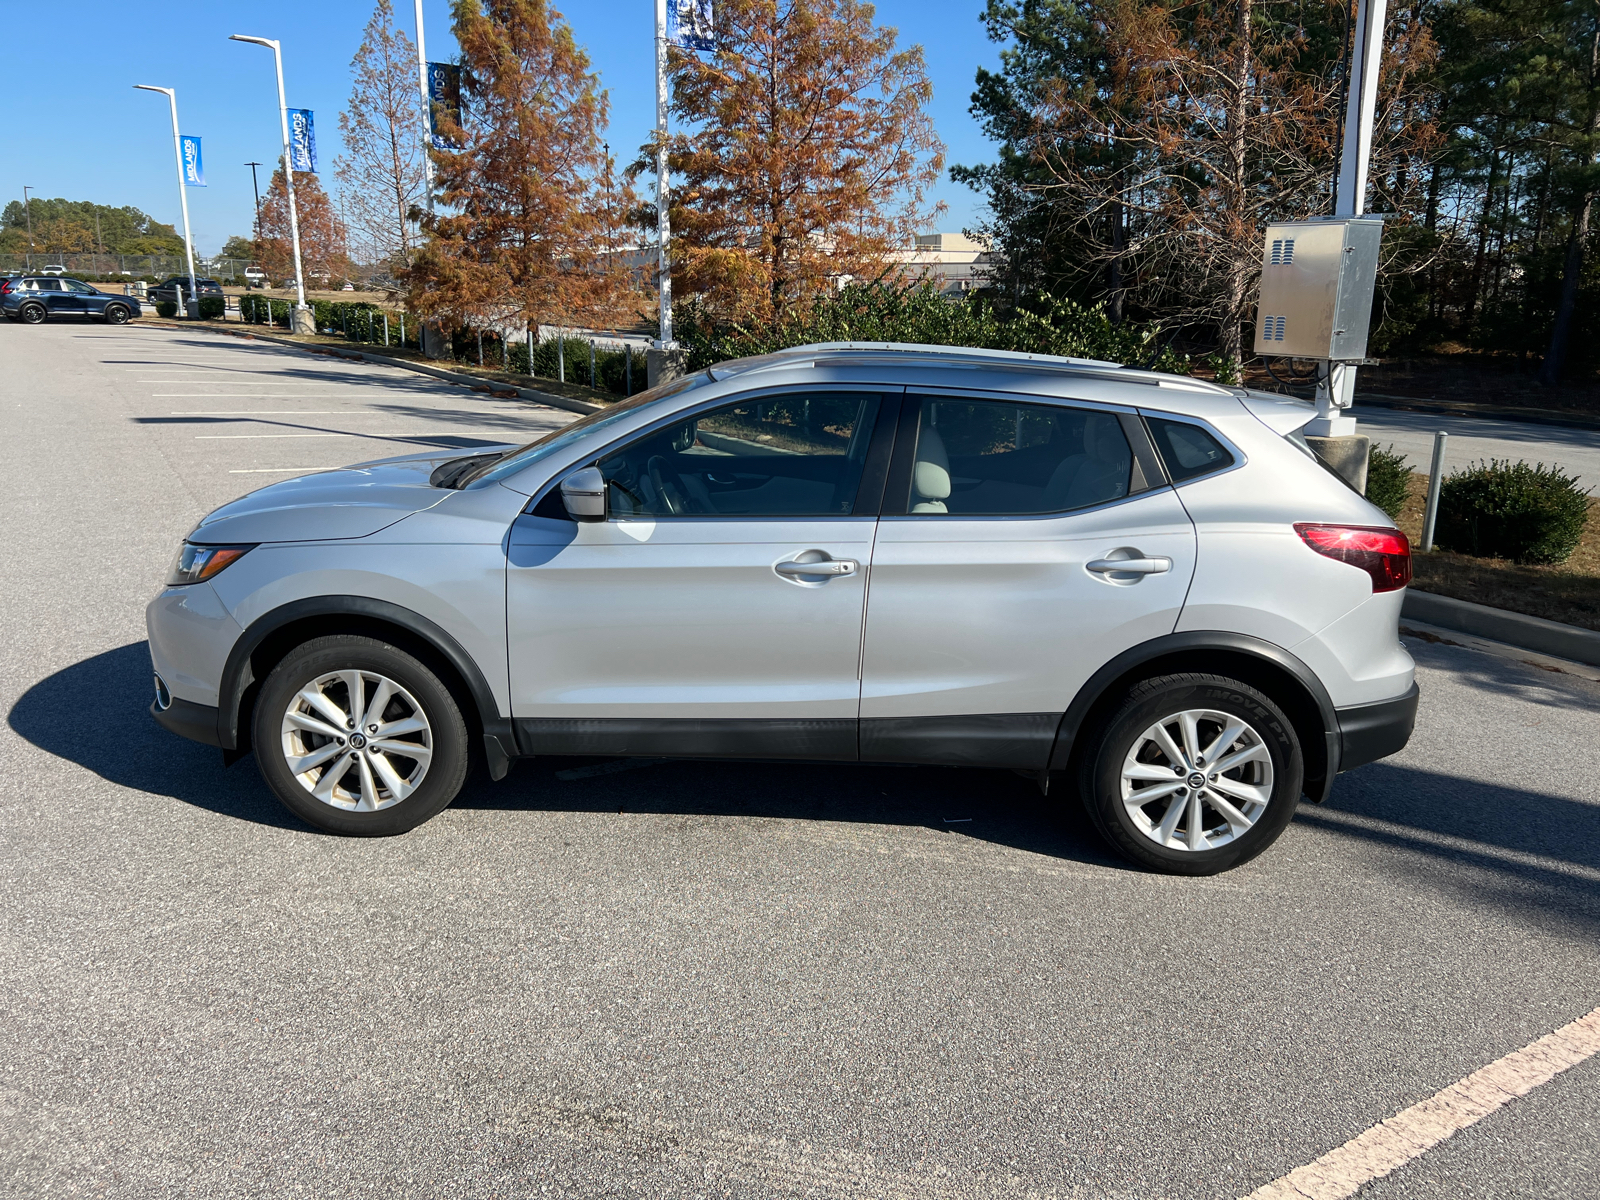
358 737
116 314
32 314
1192 774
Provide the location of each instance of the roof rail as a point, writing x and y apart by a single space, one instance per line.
1002 359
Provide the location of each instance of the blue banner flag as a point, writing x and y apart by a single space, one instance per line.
444 101
689 24
302 141
194 169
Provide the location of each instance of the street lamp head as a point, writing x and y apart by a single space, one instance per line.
240 37
145 87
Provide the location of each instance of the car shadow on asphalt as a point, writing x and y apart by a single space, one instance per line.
93 714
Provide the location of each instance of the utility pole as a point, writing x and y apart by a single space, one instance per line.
302 321
256 184
183 190
27 209
1336 381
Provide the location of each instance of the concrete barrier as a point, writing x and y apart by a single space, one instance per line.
1498 624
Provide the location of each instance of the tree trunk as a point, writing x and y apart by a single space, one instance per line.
1555 357
1114 280
1483 238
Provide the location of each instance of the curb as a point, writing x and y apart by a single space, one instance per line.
477 382
1515 629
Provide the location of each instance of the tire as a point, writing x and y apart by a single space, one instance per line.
346 786
1126 757
32 314
117 314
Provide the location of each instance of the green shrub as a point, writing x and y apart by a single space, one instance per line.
1502 509
213 307
879 312
166 308
1387 477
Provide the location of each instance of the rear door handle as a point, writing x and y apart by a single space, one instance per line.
1130 566
828 566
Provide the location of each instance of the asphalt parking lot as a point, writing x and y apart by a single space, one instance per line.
616 978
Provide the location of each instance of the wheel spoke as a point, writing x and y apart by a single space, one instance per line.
1196 834
372 714
356 690
369 786
1226 738
404 749
300 766
1236 820
1255 753
1169 822
399 789
1162 738
312 697
330 780
311 724
1148 771
1155 791
1189 727
411 724
1241 791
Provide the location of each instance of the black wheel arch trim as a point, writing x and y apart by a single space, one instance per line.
1201 642
498 735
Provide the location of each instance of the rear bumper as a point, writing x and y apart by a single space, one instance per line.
197 722
1369 732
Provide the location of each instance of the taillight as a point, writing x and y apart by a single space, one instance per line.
5 287
1384 554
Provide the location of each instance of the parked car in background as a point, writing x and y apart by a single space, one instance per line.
53 269
255 276
33 299
1140 590
168 289
348 286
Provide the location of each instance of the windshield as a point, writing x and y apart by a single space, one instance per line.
560 439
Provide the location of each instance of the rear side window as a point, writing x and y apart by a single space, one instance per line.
47 285
1188 450
993 459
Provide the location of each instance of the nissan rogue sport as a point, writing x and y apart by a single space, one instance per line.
1141 589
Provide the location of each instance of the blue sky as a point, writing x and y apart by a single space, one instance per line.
76 128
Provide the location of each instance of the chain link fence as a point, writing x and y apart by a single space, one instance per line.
132 266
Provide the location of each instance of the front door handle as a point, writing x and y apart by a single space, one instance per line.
826 566
1130 566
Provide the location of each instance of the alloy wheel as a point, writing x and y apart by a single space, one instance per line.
357 740
1197 780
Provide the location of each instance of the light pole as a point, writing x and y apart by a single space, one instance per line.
430 341
27 209
662 359
183 192
302 321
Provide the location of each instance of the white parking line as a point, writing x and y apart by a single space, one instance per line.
240 437
1412 1133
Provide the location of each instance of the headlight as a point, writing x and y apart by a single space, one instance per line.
198 563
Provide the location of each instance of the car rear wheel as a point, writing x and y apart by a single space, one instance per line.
117 314
1192 774
32 314
358 737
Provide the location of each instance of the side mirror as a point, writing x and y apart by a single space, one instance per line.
584 494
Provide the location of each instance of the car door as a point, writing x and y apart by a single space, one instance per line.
688 622
1022 546
82 299
55 298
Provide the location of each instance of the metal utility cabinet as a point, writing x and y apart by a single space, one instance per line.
1317 279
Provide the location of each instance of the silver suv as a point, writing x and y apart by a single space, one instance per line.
1140 589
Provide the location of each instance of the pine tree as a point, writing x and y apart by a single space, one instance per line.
323 253
380 171
527 217
806 156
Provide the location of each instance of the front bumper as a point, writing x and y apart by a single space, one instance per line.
1368 732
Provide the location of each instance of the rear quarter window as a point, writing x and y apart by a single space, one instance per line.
1188 450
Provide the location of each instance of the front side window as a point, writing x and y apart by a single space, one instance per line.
792 455
83 289
991 458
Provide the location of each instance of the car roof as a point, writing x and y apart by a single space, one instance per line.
914 354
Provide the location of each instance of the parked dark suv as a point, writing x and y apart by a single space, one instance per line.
168 290
32 299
